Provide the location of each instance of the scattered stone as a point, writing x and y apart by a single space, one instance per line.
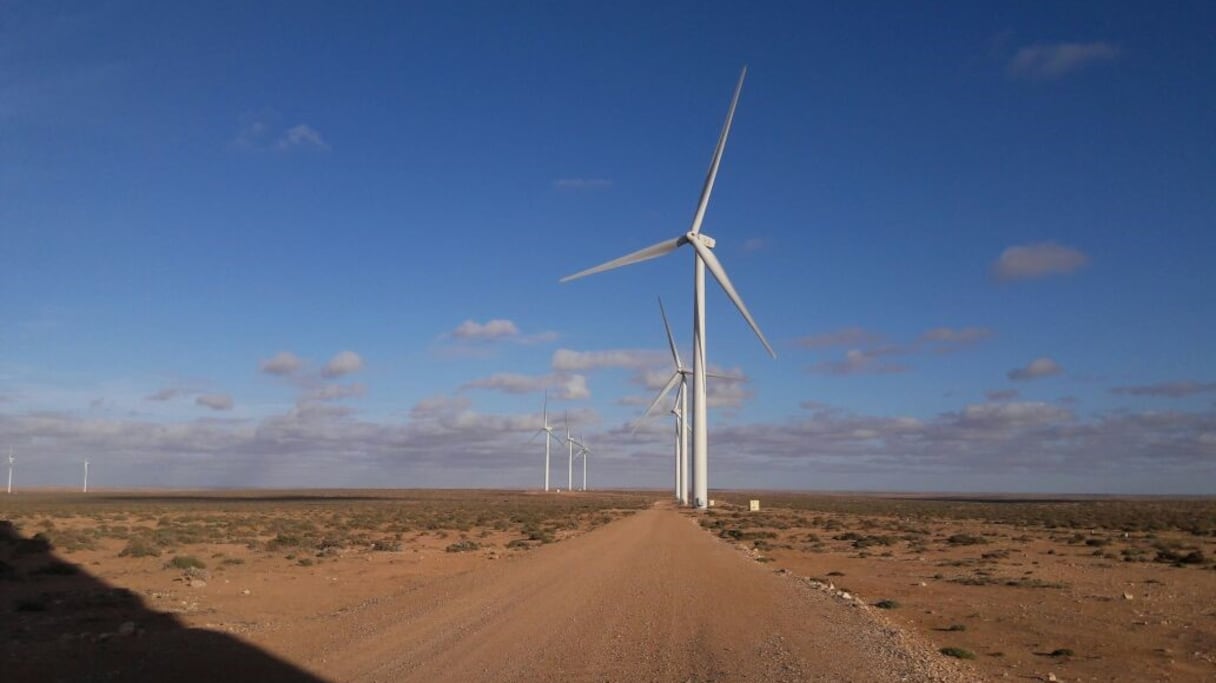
1052 677
197 583
246 592
1128 596
127 628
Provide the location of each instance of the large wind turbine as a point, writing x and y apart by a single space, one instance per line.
548 431
703 258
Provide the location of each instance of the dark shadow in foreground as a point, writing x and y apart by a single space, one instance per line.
59 623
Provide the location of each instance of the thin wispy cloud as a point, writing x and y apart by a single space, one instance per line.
845 336
1039 367
1167 389
263 130
582 183
215 401
567 360
949 339
1051 61
754 244
1034 261
334 392
1003 395
343 363
857 362
302 135
163 394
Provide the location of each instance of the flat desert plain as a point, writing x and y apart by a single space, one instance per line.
604 586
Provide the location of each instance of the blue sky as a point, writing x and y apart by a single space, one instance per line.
297 244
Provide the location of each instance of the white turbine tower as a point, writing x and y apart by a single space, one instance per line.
704 258
85 489
547 429
583 451
10 469
570 443
680 411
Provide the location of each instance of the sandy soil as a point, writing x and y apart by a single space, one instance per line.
660 594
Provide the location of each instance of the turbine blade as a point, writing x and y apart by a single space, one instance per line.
718 375
653 251
715 267
675 377
717 160
538 433
675 355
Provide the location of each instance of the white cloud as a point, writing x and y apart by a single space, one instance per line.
582 183
302 135
857 362
493 329
343 363
1012 414
214 401
498 330
282 363
1039 367
334 392
566 360
565 387
1052 61
1033 261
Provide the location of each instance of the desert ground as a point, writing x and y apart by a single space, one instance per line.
604 586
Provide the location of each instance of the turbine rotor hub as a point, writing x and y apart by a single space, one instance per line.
701 237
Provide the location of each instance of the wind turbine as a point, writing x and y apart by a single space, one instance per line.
679 376
10 469
584 450
704 258
86 477
548 431
570 443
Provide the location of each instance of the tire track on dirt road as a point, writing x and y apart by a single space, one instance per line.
650 597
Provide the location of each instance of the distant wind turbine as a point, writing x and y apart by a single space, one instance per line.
584 451
704 257
547 429
10 469
570 443
86 477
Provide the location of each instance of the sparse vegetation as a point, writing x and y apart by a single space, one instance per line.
957 653
887 604
185 562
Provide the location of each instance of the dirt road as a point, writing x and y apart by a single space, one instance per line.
648 598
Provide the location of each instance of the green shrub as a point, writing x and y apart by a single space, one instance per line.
957 653
886 604
140 547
